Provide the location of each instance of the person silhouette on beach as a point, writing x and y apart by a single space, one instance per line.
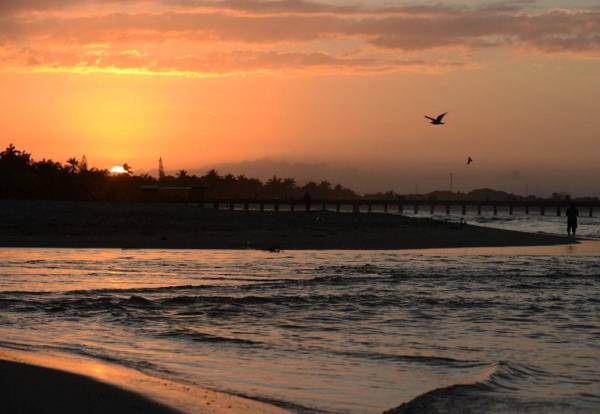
572 214
307 201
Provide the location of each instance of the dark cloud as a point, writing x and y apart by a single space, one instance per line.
553 30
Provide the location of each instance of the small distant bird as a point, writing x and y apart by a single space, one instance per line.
438 120
469 160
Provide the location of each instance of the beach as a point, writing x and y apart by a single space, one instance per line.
455 330
50 383
32 389
173 308
299 207
185 226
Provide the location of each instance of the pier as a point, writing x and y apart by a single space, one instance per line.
414 206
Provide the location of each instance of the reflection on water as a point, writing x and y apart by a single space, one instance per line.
332 330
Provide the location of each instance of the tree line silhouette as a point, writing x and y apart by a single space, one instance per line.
21 177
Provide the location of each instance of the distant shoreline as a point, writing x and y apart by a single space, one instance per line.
186 226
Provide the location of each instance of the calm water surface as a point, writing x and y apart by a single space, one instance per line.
338 331
589 227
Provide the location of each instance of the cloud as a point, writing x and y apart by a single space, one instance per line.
254 35
257 7
7 6
100 58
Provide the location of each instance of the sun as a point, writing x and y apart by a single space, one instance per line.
118 169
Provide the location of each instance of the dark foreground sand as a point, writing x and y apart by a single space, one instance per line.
123 225
39 383
30 389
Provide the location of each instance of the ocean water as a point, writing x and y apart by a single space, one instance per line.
486 330
589 227
534 222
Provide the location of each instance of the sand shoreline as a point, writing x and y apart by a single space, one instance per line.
47 383
186 226
29 388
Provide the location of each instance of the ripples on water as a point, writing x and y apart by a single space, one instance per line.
333 331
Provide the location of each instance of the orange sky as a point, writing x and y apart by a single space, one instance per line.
207 82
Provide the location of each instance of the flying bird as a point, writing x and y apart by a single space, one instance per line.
469 160
438 120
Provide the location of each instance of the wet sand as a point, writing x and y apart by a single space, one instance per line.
187 226
31 389
50 384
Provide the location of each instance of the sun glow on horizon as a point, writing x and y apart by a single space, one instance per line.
118 169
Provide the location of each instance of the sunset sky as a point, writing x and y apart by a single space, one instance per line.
340 84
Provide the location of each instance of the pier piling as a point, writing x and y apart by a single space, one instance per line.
390 205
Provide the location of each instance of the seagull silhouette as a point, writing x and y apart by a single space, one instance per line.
469 160
438 120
